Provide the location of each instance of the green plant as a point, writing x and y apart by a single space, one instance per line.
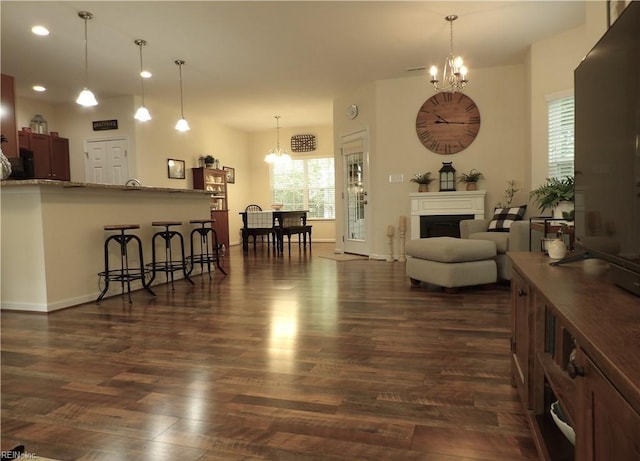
423 178
509 192
554 191
470 177
208 159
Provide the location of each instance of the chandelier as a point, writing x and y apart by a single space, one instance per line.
454 75
277 154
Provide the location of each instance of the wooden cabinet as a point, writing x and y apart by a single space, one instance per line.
215 181
50 155
8 119
521 340
581 334
610 425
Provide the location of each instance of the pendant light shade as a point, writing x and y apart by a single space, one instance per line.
182 124
277 155
86 97
142 114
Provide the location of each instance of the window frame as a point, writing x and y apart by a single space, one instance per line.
560 134
306 187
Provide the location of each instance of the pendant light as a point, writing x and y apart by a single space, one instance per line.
86 97
182 124
142 113
277 155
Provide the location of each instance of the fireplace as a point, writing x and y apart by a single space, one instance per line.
441 225
447 210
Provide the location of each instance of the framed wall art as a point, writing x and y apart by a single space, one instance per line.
231 174
175 168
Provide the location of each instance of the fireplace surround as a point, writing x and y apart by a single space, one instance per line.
451 206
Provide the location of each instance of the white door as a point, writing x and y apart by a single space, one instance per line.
106 161
355 161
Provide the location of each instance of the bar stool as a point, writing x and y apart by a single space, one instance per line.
125 274
168 265
209 250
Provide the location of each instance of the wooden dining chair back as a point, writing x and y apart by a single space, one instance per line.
259 231
295 224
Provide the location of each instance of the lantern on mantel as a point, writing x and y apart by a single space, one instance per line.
447 177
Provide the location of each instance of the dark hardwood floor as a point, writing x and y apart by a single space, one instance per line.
287 358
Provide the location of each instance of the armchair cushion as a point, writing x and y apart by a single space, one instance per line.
504 217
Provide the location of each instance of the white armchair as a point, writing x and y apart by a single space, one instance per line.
517 239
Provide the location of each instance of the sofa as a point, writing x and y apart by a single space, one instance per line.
516 239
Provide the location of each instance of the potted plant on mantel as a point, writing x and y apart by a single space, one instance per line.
423 180
557 195
209 161
471 179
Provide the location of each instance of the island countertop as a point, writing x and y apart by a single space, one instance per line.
72 184
52 235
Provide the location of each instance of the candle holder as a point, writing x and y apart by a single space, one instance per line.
390 233
402 229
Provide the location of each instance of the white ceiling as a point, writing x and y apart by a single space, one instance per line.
248 61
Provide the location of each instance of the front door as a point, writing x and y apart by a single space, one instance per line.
106 161
355 160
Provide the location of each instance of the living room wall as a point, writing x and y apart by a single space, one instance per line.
512 143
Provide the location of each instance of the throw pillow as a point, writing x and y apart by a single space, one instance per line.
503 217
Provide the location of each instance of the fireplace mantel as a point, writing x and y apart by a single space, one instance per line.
445 204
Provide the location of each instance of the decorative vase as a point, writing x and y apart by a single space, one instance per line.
472 186
563 206
557 249
423 187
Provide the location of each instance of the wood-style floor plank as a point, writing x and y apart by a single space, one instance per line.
287 358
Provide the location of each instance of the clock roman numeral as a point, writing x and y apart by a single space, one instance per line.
448 97
470 107
474 120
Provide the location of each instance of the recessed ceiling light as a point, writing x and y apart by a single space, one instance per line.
145 74
40 30
39 88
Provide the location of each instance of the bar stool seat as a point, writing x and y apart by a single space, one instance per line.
209 251
169 265
125 274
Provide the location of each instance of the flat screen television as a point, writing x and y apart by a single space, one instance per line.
607 150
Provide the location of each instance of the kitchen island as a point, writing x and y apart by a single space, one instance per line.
52 240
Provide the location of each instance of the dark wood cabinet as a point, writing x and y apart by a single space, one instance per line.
50 155
521 339
215 181
8 119
575 342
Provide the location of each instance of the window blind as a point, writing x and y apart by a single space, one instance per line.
305 184
561 137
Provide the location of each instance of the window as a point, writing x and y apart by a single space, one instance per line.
560 113
307 184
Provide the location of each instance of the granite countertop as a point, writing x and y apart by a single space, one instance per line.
71 184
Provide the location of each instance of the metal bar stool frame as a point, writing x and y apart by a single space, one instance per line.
168 266
125 274
208 254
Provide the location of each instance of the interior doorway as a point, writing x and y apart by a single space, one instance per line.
107 161
355 161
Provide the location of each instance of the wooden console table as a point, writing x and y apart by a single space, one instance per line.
576 340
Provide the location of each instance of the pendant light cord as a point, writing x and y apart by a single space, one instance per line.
140 44
86 53
180 63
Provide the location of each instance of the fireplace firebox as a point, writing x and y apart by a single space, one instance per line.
441 225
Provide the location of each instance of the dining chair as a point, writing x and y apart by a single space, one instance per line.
258 231
295 223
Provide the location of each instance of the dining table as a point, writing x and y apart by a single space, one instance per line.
276 220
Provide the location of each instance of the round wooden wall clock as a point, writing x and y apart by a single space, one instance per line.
448 122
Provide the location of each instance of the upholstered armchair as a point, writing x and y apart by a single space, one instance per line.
516 239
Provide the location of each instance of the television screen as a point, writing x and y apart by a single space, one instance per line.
607 149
